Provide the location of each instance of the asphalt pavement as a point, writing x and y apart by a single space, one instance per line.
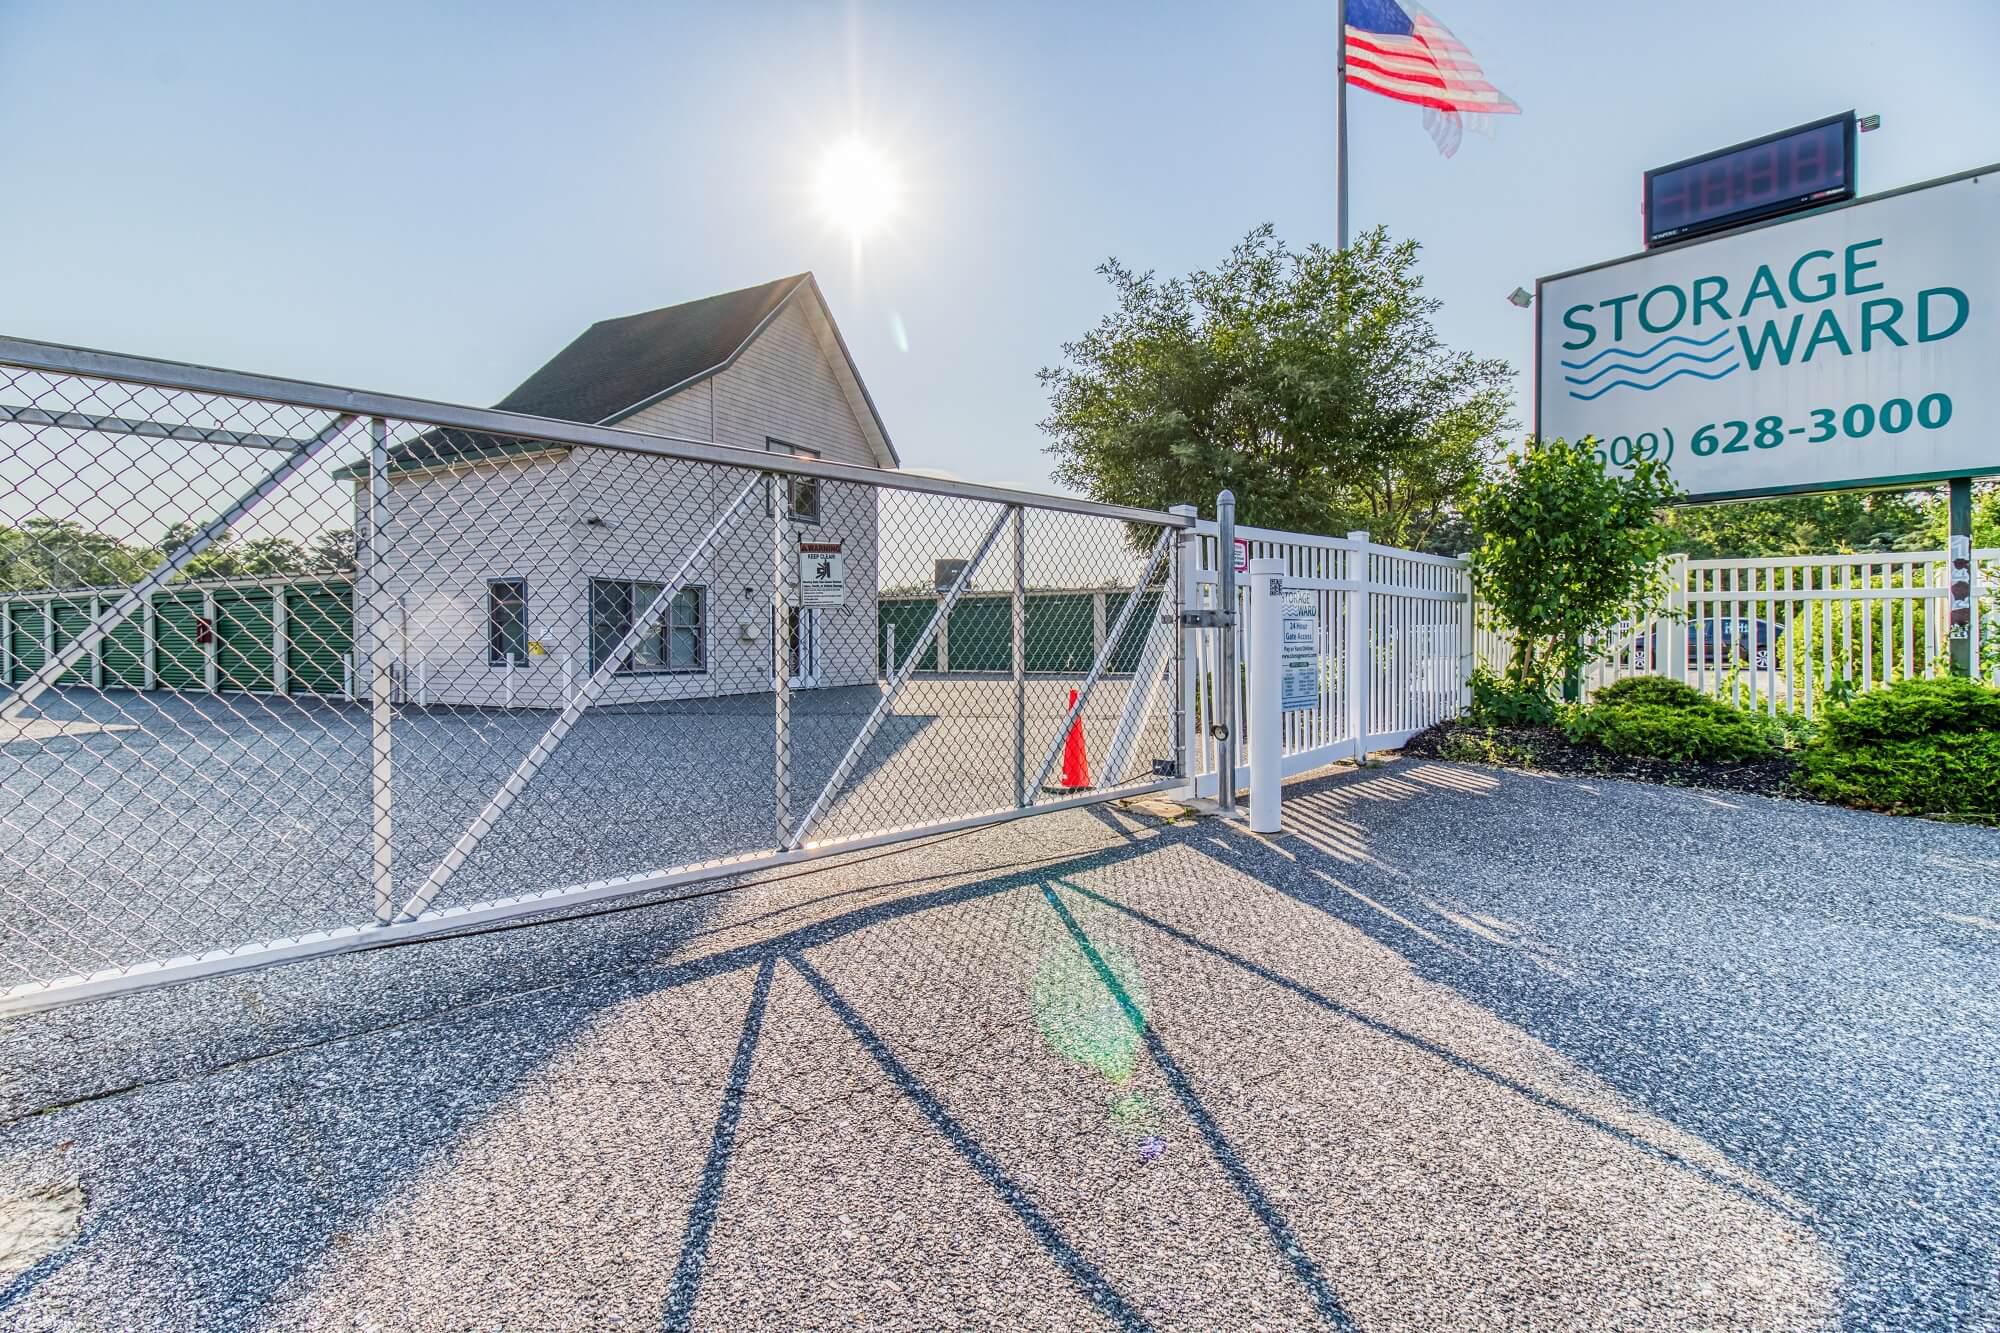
1460 1049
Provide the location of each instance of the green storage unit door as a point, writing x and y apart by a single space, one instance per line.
319 631
982 634
909 615
1125 657
125 653
1061 636
26 648
181 654
243 640
72 619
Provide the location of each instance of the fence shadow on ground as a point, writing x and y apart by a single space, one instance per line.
366 1149
1557 914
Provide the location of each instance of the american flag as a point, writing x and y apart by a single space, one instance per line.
1395 48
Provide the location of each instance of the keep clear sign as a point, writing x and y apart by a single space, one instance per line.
822 575
1298 646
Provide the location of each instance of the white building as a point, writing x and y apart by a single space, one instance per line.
514 567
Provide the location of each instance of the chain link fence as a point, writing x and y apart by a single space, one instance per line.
290 669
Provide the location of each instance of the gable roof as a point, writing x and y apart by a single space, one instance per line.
617 363
617 367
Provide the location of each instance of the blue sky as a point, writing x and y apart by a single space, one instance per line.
434 199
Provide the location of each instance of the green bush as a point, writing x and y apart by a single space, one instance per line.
1498 702
1708 733
1654 690
1924 747
1947 706
1466 745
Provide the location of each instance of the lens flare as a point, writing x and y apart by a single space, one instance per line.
857 188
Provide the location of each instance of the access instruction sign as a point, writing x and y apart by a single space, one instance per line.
1298 651
1855 346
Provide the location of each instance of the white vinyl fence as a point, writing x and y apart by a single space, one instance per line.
1793 633
1402 616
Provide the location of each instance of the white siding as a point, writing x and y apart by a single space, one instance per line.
452 532
688 415
657 510
783 385
448 533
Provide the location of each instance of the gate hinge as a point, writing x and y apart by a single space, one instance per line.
1210 619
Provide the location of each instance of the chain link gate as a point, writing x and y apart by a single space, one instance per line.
574 662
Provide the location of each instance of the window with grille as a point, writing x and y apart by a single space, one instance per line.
506 622
802 493
675 642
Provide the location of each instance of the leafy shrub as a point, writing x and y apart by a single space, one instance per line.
1468 746
1929 747
1657 691
1498 702
1792 731
1914 708
1567 549
1707 733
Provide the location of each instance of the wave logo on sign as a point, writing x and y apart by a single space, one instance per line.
1785 314
1631 367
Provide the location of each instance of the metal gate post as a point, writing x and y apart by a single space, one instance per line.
1267 746
782 570
381 766
1187 560
1020 659
1225 656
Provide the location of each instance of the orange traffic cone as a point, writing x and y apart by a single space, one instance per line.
1076 762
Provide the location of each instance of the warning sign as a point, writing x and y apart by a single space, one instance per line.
1298 649
822 574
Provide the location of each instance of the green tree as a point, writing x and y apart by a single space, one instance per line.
48 553
332 552
1310 382
1985 520
1566 552
1836 522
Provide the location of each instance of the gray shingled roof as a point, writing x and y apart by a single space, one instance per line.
616 365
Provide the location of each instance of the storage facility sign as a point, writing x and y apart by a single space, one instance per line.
822 574
1855 346
1298 647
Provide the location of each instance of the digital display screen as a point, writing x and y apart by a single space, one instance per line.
1799 168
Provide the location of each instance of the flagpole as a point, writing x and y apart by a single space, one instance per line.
1340 122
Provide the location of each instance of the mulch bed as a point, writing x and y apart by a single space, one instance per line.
1546 750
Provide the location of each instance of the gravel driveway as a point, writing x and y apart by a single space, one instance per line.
211 821
1459 1049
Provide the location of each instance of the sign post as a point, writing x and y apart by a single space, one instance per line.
1959 577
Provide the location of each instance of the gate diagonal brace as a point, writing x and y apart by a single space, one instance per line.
1112 638
487 819
903 673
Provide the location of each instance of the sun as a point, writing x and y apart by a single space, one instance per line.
857 188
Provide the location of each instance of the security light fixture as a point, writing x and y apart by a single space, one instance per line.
1521 297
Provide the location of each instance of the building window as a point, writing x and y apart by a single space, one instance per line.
802 493
677 641
506 622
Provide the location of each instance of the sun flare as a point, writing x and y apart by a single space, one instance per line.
857 188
